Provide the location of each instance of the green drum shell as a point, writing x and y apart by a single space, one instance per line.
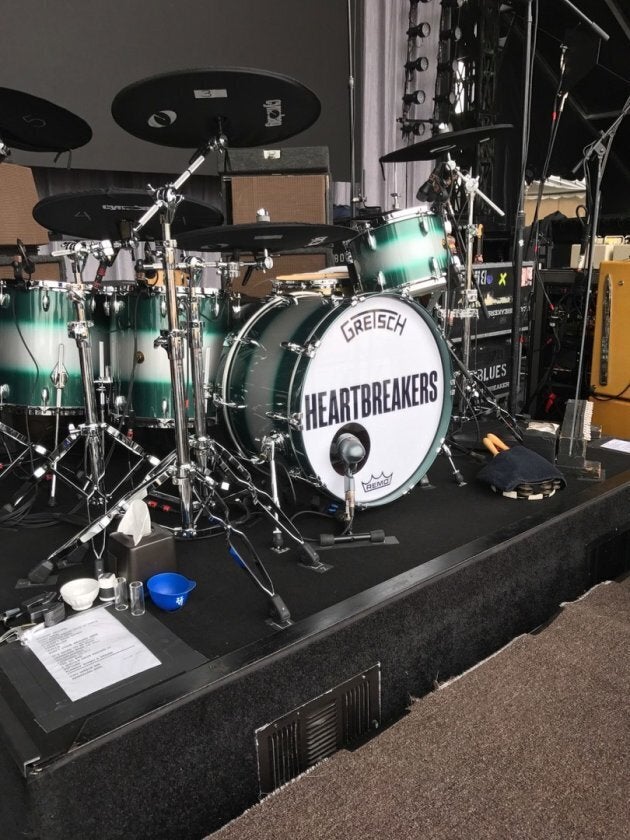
263 381
33 327
141 372
407 252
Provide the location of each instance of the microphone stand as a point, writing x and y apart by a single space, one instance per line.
351 97
599 151
519 235
352 452
520 217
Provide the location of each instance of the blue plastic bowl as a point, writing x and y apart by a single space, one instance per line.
169 591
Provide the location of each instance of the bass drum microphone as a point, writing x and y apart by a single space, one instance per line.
350 451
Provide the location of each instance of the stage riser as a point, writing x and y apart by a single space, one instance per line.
187 770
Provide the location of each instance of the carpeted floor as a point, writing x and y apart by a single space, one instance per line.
532 743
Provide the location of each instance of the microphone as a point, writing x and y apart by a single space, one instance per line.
351 451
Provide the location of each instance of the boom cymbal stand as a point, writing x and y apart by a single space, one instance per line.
199 491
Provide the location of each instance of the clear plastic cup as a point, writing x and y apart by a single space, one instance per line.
136 597
120 594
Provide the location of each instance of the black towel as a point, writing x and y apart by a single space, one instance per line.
519 465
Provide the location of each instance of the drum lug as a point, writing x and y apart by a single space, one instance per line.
371 241
422 224
380 279
293 420
216 399
5 300
45 302
231 339
301 349
4 393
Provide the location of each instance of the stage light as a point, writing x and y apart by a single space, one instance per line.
453 34
415 98
415 127
420 63
450 97
450 66
421 30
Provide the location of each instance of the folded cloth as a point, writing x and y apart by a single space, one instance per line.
519 465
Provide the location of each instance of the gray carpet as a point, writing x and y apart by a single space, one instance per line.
532 743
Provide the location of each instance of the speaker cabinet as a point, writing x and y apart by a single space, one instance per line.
610 365
302 198
287 198
19 196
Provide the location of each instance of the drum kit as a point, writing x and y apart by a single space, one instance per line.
341 378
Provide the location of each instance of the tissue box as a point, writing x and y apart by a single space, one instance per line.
154 553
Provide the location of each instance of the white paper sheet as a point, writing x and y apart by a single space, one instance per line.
89 652
618 445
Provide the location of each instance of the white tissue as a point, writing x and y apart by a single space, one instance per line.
136 521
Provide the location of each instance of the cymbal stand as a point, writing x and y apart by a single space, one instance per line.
92 431
471 293
192 478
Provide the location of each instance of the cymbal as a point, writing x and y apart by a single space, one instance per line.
35 125
111 213
439 144
260 236
189 108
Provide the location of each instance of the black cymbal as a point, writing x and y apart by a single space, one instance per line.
110 214
191 107
439 144
35 125
260 236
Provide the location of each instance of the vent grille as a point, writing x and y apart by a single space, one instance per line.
342 717
321 734
285 756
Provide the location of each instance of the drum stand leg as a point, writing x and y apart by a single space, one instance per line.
268 451
28 449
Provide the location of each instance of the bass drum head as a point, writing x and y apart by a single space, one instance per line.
376 368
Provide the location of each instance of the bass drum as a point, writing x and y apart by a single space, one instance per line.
315 368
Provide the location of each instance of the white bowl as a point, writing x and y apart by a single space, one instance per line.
80 594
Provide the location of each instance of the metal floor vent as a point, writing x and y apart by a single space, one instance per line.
342 717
